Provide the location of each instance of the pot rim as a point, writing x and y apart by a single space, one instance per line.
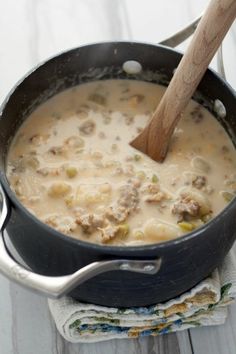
118 250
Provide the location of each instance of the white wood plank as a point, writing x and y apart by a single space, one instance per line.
216 339
31 330
166 344
6 317
184 341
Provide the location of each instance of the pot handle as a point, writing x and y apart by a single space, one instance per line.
180 36
56 287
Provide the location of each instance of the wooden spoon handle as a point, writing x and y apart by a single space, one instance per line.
154 139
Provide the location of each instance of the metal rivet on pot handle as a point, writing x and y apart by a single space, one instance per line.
59 286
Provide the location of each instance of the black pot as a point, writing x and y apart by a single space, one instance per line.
161 271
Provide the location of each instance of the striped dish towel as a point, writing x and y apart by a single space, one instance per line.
206 304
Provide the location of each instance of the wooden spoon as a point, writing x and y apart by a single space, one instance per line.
216 21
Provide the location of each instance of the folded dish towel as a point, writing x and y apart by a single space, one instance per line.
205 304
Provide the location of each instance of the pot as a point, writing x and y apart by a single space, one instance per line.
101 274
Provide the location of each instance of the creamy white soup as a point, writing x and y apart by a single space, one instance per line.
71 165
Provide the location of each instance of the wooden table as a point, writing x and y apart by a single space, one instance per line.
30 31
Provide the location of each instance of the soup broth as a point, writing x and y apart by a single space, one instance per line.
71 165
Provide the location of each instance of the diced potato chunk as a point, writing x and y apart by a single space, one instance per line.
91 198
105 188
158 231
201 164
88 195
58 189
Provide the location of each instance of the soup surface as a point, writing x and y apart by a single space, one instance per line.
72 166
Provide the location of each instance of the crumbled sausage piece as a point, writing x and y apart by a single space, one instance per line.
102 135
136 182
186 206
197 115
151 188
129 120
117 213
225 149
57 150
64 224
109 232
129 170
38 139
156 198
90 222
155 195
25 162
128 196
208 190
88 127
199 182
127 202
118 171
